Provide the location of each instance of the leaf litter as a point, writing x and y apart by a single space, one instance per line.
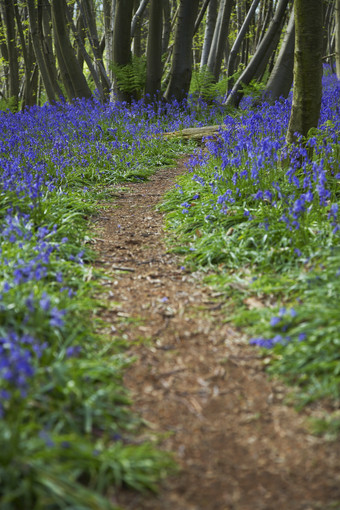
199 386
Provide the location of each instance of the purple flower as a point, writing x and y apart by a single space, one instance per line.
274 321
56 319
45 302
73 351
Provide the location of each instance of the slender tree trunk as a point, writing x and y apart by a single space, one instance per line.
45 24
87 11
68 57
181 69
138 16
307 68
166 26
109 9
281 77
337 37
238 41
154 50
220 38
209 32
122 41
29 94
4 54
39 55
13 64
79 37
248 74
137 32
201 15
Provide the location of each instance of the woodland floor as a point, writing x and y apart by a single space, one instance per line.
197 382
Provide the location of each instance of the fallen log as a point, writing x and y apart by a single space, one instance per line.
196 133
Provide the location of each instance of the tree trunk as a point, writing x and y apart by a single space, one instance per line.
87 11
137 31
79 37
4 54
45 28
109 9
209 32
248 74
181 68
154 50
29 92
281 78
219 39
201 15
13 64
67 55
166 26
238 41
337 37
307 68
138 16
39 55
122 42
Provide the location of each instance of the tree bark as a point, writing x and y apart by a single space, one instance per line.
29 91
220 38
45 28
80 41
307 68
154 50
37 45
238 41
109 9
209 32
166 26
337 37
181 68
87 11
201 15
76 83
248 74
13 64
281 78
122 41
138 16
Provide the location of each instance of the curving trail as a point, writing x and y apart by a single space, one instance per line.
197 381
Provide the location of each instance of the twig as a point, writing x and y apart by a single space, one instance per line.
122 268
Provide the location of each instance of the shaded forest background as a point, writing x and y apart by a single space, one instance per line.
124 49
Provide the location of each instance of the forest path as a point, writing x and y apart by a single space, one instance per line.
198 382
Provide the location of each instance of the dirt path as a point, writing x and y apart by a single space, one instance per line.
199 383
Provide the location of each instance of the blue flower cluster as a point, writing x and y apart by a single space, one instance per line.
251 150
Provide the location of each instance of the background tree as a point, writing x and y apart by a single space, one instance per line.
220 38
281 78
122 42
261 56
307 68
337 37
7 11
74 79
181 68
154 50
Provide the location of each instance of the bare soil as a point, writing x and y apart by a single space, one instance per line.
197 381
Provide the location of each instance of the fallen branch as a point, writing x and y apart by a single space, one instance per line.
196 133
